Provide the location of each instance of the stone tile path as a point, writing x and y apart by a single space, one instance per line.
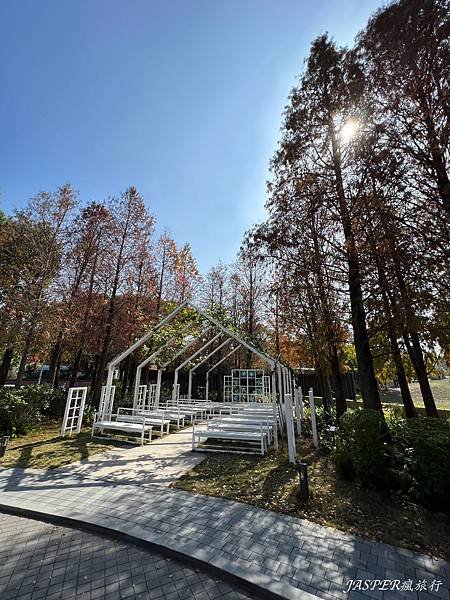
42 561
289 557
162 462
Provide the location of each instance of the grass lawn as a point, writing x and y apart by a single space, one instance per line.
43 448
271 482
440 389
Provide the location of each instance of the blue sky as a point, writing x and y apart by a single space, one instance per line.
181 98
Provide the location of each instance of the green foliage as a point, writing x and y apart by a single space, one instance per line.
384 363
409 455
89 414
348 357
56 401
326 438
122 397
22 409
422 448
306 425
361 449
221 314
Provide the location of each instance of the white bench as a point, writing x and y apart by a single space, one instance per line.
192 411
253 437
161 423
184 410
165 414
125 428
134 415
236 424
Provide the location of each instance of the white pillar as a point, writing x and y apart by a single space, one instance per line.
288 381
190 385
312 406
174 389
275 410
137 383
280 393
207 386
107 409
300 397
298 415
290 429
158 387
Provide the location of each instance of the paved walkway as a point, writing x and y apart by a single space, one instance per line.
126 491
290 557
42 561
163 461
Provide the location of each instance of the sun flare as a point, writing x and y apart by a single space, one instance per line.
348 131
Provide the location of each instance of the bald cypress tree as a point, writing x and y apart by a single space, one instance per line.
315 148
405 51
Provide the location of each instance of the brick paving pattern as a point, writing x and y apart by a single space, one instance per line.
43 561
292 557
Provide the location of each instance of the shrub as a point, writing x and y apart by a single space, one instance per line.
321 420
424 447
11 407
361 449
89 414
414 457
344 464
56 403
23 408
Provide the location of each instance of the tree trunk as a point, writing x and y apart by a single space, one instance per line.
101 367
327 398
414 348
6 364
76 367
338 384
94 376
132 375
24 357
55 359
412 342
410 409
366 371
438 161
364 358
57 372
103 360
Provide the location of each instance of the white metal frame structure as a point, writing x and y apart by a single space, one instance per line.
188 360
151 395
74 411
246 385
281 376
152 356
192 371
235 349
107 401
167 363
142 396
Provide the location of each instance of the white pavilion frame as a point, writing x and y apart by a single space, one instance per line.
235 349
167 363
144 363
281 376
188 360
192 371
